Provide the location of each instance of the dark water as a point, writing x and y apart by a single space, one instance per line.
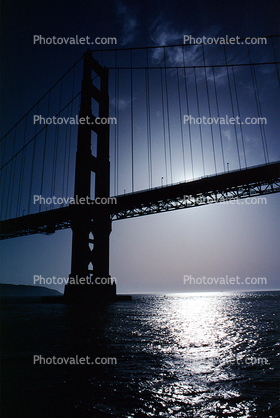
214 355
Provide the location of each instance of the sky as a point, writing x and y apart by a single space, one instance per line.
151 254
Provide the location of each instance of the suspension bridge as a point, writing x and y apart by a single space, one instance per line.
130 132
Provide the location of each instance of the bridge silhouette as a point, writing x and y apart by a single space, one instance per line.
138 116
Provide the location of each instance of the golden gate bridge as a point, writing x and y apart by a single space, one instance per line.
118 130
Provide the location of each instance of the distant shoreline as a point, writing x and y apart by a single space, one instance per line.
22 290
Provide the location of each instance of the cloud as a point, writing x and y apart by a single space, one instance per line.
129 22
218 73
163 34
228 134
121 104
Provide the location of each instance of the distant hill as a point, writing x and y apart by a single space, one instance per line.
21 290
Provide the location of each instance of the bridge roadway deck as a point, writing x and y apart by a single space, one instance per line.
240 184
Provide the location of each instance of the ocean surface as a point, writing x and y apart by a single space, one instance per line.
183 355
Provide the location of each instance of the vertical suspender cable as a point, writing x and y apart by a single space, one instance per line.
209 109
168 116
181 125
147 83
200 131
65 153
220 130
258 104
117 133
22 170
238 154
44 152
261 126
131 121
32 165
70 135
56 149
13 182
163 123
115 128
10 179
238 109
188 112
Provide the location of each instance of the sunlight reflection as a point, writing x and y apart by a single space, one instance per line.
196 326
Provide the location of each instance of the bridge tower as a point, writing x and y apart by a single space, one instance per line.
91 223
